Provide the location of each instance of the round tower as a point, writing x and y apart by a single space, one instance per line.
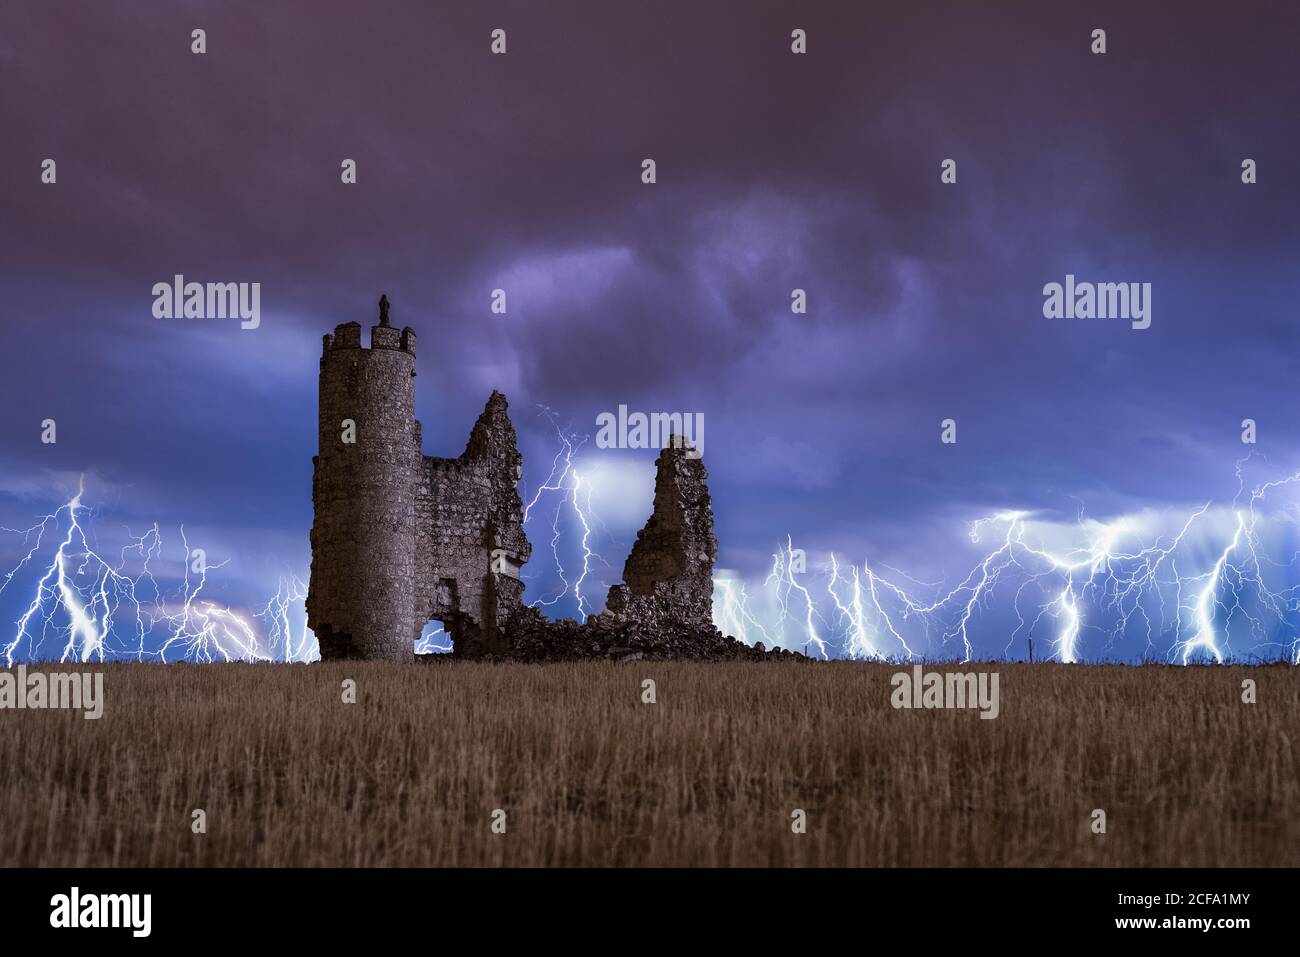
361 600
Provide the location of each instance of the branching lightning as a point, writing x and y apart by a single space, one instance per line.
1201 587
1177 594
87 607
286 633
572 495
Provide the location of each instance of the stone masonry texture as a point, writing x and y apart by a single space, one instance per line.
400 538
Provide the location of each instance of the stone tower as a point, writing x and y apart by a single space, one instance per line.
362 599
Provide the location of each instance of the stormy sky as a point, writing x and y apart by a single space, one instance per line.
775 171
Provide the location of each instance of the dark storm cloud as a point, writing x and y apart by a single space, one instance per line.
775 172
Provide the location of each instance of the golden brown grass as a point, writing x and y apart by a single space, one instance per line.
588 775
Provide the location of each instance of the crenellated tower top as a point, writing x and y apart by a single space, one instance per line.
347 335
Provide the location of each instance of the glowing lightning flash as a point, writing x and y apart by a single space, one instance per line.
1101 586
1096 592
91 608
571 491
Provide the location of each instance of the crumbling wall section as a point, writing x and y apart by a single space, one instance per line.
470 540
664 608
669 574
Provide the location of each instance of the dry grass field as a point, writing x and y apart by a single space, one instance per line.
589 775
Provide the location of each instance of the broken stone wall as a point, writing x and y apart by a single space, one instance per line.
669 574
470 540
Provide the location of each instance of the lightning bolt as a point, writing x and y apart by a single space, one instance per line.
572 495
90 607
860 642
86 606
731 611
295 640
1107 586
783 583
426 645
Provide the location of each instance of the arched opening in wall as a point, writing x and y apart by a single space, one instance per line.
434 639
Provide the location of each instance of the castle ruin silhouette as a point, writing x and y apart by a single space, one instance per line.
401 538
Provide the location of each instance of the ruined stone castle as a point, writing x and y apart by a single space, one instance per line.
401 538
